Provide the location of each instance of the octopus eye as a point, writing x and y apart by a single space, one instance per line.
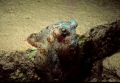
63 30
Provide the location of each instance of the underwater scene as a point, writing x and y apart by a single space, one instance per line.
59 40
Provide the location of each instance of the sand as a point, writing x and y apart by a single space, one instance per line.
20 18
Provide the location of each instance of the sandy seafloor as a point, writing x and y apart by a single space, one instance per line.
20 18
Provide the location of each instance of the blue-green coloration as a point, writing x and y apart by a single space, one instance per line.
54 43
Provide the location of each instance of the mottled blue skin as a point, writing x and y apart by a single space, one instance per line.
54 43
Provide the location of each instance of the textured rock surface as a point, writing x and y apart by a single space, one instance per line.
111 68
16 67
100 42
106 70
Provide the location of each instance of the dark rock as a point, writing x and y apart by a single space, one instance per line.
111 68
102 41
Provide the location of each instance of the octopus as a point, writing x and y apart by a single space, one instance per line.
55 43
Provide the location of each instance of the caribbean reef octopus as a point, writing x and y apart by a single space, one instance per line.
55 44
